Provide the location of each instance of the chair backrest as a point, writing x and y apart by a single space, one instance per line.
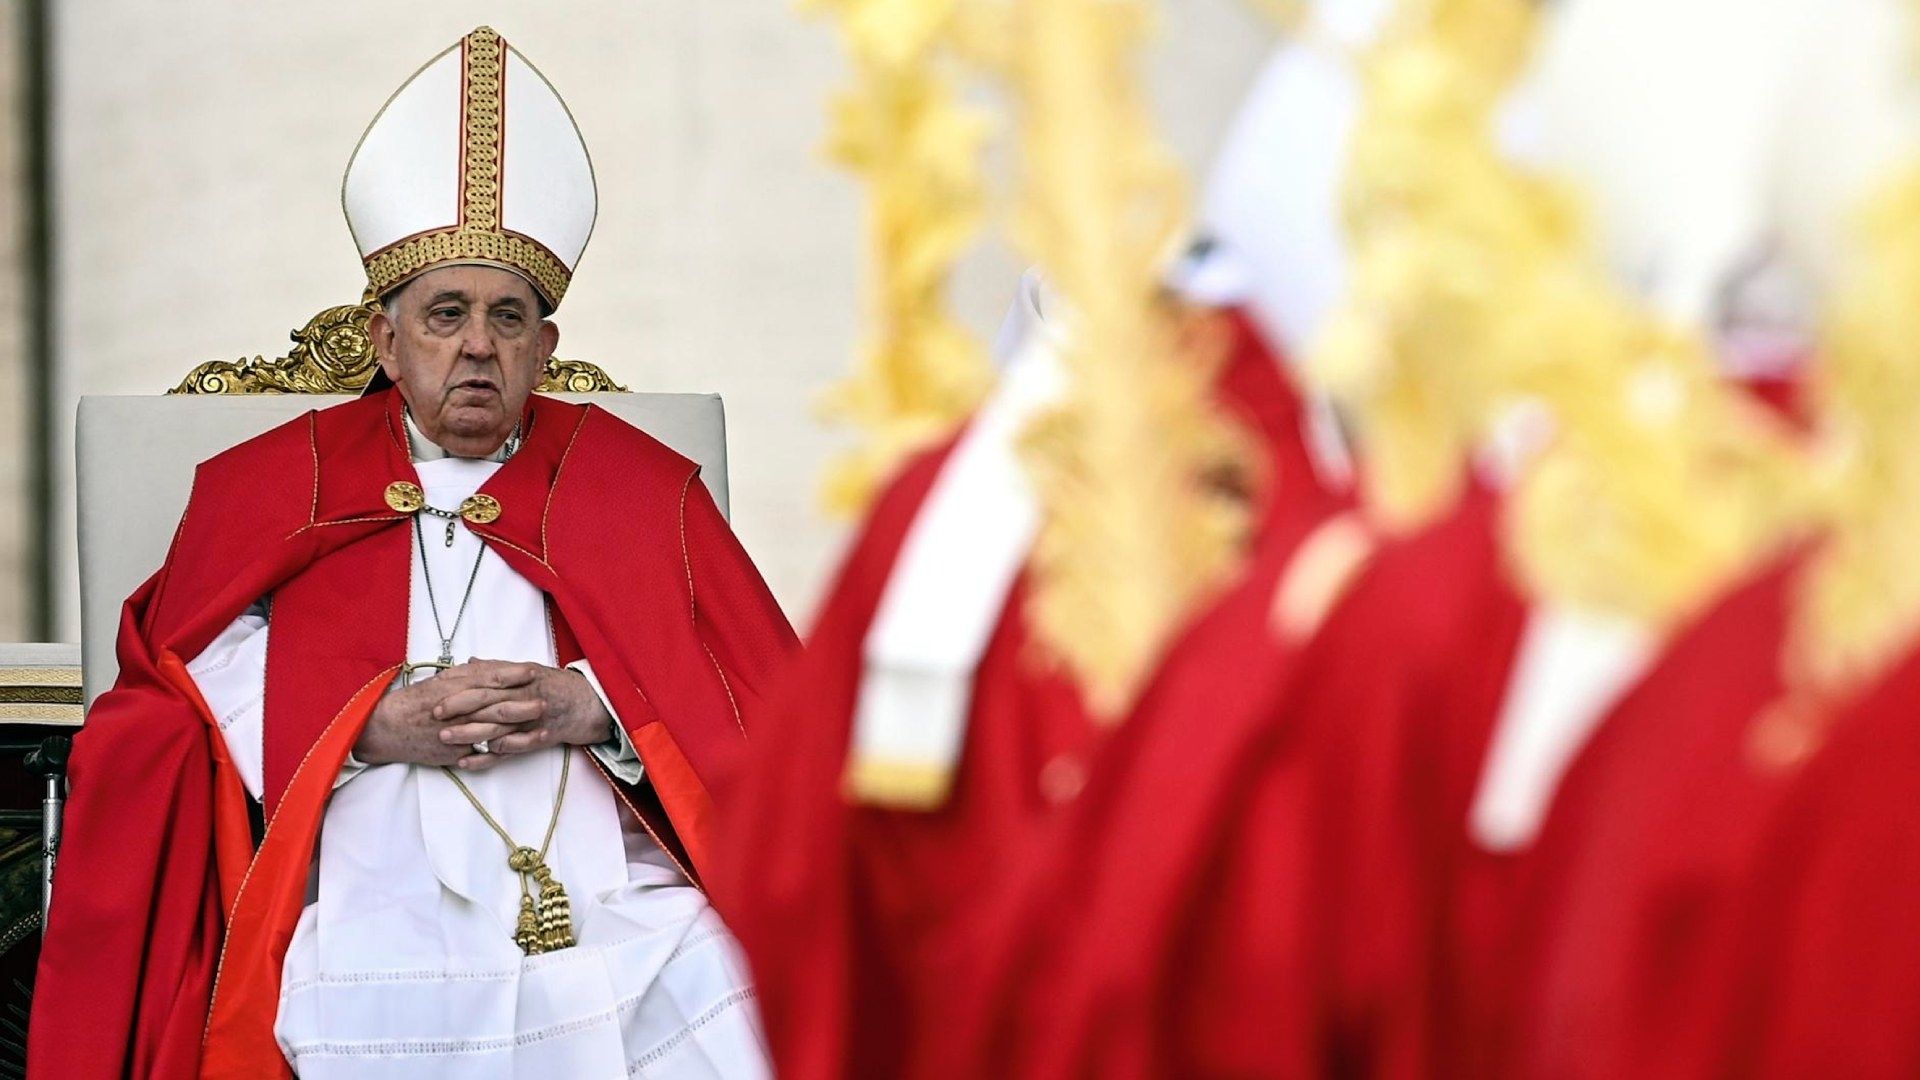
137 455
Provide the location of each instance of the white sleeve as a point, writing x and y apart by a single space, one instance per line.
231 674
617 753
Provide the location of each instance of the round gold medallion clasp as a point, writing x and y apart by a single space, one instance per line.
405 497
480 509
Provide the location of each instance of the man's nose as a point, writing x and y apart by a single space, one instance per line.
477 342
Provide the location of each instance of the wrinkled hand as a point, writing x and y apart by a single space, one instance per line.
514 707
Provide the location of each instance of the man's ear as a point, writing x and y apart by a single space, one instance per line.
380 329
548 341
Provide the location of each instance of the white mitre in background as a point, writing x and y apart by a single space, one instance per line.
1849 117
1721 145
1270 209
1711 134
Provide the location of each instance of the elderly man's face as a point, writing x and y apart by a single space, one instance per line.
465 345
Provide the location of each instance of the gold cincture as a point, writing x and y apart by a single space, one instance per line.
546 915
333 354
405 497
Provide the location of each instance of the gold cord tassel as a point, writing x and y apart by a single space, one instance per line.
556 913
526 929
545 923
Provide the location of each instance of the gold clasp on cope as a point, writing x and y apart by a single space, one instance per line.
405 497
480 509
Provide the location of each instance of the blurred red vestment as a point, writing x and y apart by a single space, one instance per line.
859 919
1251 885
1629 926
1326 908
1826 963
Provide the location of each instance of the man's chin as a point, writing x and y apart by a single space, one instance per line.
474 426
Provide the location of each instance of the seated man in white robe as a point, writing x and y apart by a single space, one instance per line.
482 658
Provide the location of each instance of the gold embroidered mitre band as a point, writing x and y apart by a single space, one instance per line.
475 160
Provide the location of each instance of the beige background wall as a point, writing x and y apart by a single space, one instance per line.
198 152
15 520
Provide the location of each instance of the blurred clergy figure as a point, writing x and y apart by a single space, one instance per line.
867 894
480 657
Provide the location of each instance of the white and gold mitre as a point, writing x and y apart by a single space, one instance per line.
475 160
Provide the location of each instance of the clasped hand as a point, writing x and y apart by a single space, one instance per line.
513 707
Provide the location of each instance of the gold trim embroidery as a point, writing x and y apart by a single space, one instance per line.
693 606
390 267
480 104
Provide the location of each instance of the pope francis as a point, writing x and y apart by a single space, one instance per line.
410 764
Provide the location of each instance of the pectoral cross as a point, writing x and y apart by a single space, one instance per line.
407 670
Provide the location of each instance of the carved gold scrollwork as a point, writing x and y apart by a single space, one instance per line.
333 354
576 377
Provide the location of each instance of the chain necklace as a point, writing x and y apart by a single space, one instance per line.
433 603
451 516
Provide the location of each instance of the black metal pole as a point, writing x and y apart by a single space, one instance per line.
36 54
